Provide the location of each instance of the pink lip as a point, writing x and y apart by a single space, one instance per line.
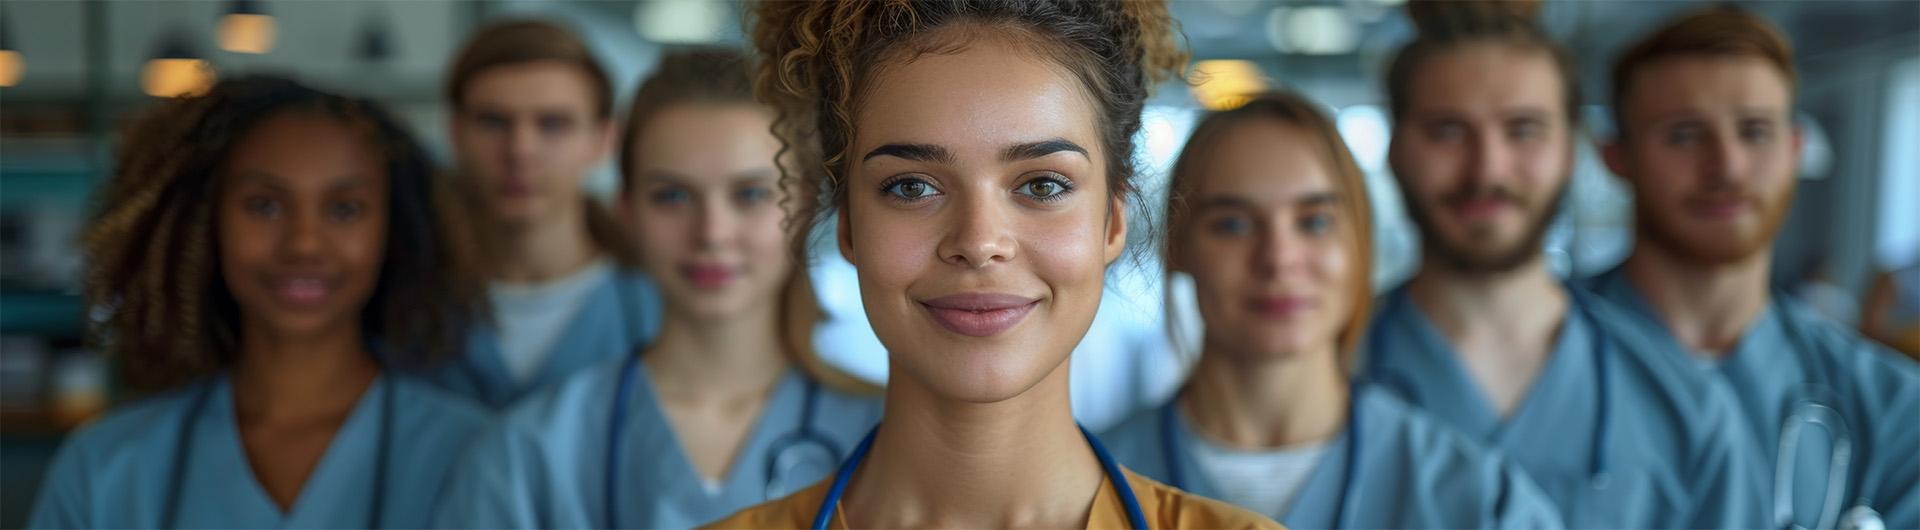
1479 208
1717 208
301 291
1279 307
979 314
708 276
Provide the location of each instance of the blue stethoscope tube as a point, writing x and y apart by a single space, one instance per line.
170 516
1177 475
803 435
1135 517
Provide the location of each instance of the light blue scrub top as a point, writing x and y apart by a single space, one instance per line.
117 472
1413 473
546 464
620 314
1669 458
1876 392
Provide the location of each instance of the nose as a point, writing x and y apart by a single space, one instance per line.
304 235
1488 158
1725 160
523 143
1280 251
716 222
979 232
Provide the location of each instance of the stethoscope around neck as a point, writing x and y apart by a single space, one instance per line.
170 515
1808 409
1136 518
1598 475
1172 449
805 436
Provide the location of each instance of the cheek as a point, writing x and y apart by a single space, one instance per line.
1333 266
1546 164
662 232
1219 267
1776 170
890 250
1067 251
243 243
1666 175
365 243
766 241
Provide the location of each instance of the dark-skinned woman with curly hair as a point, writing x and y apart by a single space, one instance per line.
260 253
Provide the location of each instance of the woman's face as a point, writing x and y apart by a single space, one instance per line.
978 217
302 225
1268 242
705 206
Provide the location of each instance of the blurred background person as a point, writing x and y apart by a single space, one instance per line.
261 249
532 114
73 73
1708 142
1484 337
730 407
1268 213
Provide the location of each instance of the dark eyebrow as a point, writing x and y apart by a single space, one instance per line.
914 152
1029 151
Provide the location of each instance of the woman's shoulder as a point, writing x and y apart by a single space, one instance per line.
139 426
793 511
1168 507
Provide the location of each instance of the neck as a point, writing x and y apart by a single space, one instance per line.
1523 301
1267 403
1707 307
718 357
938 462
297 379
546 249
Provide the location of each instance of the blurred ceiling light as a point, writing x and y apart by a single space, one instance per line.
12 63
246 28
1225 84
176 71
680 21
1314 30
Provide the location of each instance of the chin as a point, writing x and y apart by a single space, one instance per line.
1704 245
975 372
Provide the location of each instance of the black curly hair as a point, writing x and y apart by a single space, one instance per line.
153 266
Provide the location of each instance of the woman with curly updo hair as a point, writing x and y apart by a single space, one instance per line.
261 252
977 159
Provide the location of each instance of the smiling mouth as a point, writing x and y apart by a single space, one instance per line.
301 291
709 277
979 315
1279 307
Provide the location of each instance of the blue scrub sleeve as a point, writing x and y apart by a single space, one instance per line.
62 502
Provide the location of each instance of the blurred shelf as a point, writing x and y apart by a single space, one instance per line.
42 312
32 423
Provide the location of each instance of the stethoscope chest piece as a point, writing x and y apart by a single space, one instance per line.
1861 517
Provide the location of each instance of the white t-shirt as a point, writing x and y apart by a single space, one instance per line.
531 317
1265 481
